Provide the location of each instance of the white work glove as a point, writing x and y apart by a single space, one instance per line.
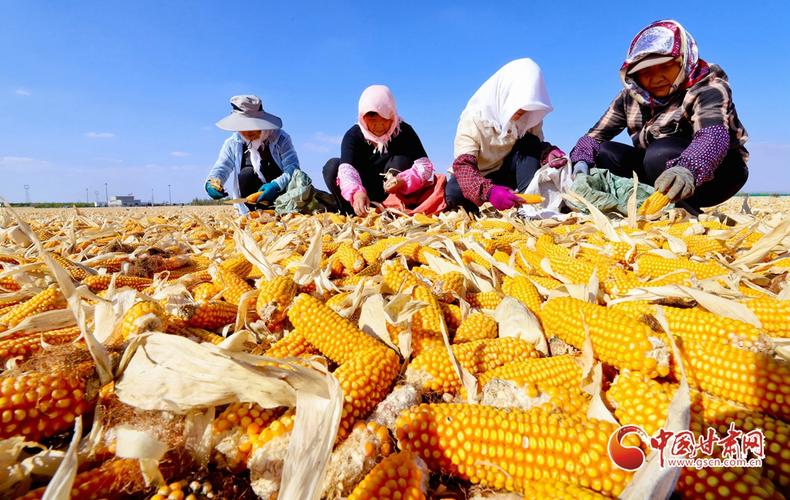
677 183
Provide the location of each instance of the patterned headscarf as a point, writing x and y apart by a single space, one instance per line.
664 38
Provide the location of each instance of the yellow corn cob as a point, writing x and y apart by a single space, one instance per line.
476 326
545 281
702 245
274 298
654 266
184 489
721 414
397 277
77 273
198 334
640 400
213 314
292 345
402 475
773 313
450 285
504 449
238 264
484 300
102 282
289 261
144 316
9 284
205 291
719 482
38 405
350 259
426 324
750 292
252 421
529 262
426 273
523 290
372 253
22 345
654 203
488 224
530 198
559 491
755 380
471 256
617 339
112 265
335 336
415 252
433 371
452 316
46 300
501 256
365 379
116 478
280 426
555 370
233 286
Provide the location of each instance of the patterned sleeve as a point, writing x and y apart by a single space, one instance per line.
474 186
418 176
586 150
705 153
349 181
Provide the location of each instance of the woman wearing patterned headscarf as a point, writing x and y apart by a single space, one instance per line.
379 143
688 140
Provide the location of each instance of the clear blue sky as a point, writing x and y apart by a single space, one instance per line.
128 92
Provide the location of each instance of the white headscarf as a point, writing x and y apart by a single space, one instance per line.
255 155
516 85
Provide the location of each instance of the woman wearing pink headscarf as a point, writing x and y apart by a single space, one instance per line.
380 143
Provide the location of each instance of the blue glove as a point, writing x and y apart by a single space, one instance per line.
216 194
270 191
580 167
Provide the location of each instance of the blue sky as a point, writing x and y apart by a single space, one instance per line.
127 93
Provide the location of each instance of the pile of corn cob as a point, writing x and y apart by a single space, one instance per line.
442 394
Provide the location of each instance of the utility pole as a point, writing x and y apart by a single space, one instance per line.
27 194
169 196
152 197
87 198
106 196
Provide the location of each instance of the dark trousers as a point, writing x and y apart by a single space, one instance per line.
622 160
516 172
371 176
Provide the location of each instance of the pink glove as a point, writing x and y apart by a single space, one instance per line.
503 198
555 158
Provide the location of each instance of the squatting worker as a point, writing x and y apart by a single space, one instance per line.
379 143
499 142
258 157
688 140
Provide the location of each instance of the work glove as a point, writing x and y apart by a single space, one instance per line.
555 158
677 183
580 167
503 198
215 190
269 192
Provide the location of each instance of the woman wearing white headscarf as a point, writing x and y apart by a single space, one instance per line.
499 142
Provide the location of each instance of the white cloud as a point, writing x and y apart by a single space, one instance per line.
325 138
99 135
12 161
180 154
105 159
321 142
23 92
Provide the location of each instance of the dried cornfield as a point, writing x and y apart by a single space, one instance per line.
187 353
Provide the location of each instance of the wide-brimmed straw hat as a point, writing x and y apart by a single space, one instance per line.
248 114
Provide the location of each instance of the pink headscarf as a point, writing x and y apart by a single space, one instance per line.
379 99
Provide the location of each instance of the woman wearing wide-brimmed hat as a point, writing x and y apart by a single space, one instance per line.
258 157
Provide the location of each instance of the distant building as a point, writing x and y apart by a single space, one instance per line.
124 201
